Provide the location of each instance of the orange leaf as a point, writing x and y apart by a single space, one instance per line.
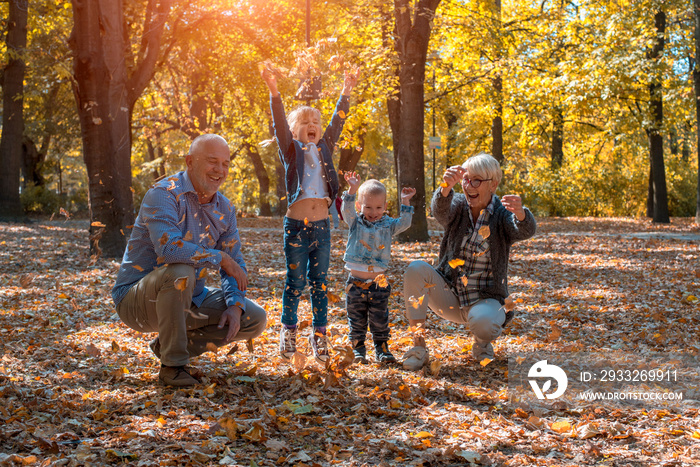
181 283
456 263
484 231
164 238
366 245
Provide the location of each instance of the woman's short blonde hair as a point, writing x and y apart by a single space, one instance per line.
484 166
300 112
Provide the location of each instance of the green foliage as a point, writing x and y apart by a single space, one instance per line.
41 200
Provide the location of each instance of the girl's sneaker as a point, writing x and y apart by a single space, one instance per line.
319 347
288 342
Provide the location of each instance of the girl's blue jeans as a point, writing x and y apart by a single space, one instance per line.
307 248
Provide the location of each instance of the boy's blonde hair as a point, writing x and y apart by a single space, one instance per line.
300 112
484 165
371 187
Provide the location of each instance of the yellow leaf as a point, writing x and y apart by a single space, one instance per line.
341 114
485 362
423 434
98 224
137 267
306 221
333 298
464 280
561 427
696 434
443 185
181 283
381 281
484 231
455 263
161 422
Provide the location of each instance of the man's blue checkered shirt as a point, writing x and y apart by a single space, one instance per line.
174 228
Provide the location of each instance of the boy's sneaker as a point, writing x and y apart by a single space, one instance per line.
319 347
288 342
381 350
360 352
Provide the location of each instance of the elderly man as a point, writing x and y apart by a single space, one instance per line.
185 226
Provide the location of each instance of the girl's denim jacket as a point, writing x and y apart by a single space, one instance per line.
291 151
370 242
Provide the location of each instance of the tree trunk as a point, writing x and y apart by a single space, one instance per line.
263 179
451 143
656 140
408 112
557 138
32 163
349 157
105 94
497 124
696 82
12 116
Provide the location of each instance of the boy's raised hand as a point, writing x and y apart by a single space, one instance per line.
353 180
407 193
351 78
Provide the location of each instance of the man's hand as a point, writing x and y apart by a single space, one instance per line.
351 78
453 175
407 193
514 204
353 180
233 269
232 316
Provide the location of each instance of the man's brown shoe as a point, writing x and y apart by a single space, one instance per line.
176 376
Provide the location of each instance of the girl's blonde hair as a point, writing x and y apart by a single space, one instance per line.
300 112
484 165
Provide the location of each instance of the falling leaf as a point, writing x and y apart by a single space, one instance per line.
381 281
306 221
137 267
423 434
230 244
188 236
293 266
98 224
416 302
341 114
444 185
455 263
434 367
200 256
485 232
485 362
509 304
249 345
381 247
366 245
211 347
299 361
332 298
465 280
164 238
115 346
181 283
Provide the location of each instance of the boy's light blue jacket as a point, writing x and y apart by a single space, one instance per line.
370 242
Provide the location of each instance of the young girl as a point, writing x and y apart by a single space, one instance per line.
312 184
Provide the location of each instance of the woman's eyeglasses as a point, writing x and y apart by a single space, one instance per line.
474 182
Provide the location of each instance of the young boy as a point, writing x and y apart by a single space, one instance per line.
311 182
367 257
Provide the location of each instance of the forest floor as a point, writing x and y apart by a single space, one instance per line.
77 387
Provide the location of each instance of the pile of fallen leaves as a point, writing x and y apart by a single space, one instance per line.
79 388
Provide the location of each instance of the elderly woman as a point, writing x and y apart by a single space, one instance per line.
469 285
